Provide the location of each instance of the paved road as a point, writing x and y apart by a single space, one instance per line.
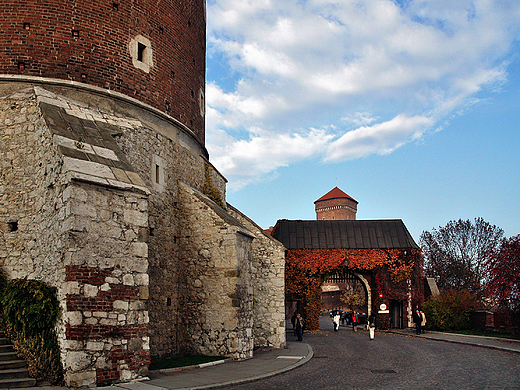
348 360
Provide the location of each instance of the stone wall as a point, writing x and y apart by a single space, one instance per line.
105 200
268 269
32 238
87 239
216 293
106 286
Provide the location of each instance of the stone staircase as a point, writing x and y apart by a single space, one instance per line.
13 370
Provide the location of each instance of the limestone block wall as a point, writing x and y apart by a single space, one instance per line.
82 233
32 238
268 267
216 295
103 198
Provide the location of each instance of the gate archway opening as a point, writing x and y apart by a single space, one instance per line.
346 290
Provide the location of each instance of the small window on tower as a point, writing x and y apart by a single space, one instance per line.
202 103
157 173
141 53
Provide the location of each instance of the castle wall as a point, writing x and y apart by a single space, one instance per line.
106 286
32 237
108 201
103 167
152 51
216 293
87 240
268 270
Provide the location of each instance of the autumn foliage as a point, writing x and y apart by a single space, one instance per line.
503 286
306 269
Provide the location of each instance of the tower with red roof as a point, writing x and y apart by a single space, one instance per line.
336 205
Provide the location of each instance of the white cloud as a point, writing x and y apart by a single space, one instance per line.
264 152
393 71
382 138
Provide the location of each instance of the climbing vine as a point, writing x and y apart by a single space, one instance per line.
304 273
306 270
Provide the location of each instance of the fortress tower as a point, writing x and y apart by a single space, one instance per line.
108 194
152 51
336 205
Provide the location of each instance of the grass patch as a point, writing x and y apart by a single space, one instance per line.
182 361
474 332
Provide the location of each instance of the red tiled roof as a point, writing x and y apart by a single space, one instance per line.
334 194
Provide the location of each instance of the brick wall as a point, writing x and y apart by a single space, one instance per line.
90 42
336 209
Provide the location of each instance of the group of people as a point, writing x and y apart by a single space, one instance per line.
351 317
298 322
419 319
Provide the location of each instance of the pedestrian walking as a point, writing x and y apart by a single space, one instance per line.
335 320
372 325
417 320
293 322
300 323
423 322
355 319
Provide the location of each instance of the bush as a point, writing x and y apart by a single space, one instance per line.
450 310
30 310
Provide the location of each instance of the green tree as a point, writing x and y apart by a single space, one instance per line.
450 310
456 254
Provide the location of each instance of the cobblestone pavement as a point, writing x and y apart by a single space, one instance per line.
348 360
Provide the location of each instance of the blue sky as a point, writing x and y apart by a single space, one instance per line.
410 107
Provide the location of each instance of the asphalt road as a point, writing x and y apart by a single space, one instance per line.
348 360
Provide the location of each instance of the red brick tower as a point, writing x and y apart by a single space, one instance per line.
153 51
336 205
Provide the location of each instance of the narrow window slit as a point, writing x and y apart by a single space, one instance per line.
140 51
157 173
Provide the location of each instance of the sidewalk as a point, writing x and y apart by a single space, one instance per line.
501 344
265 363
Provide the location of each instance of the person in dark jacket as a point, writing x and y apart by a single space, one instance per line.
417 320
293 322
300 323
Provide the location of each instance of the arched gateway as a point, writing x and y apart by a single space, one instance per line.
346 290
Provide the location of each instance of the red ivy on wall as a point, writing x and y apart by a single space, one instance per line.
305 270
